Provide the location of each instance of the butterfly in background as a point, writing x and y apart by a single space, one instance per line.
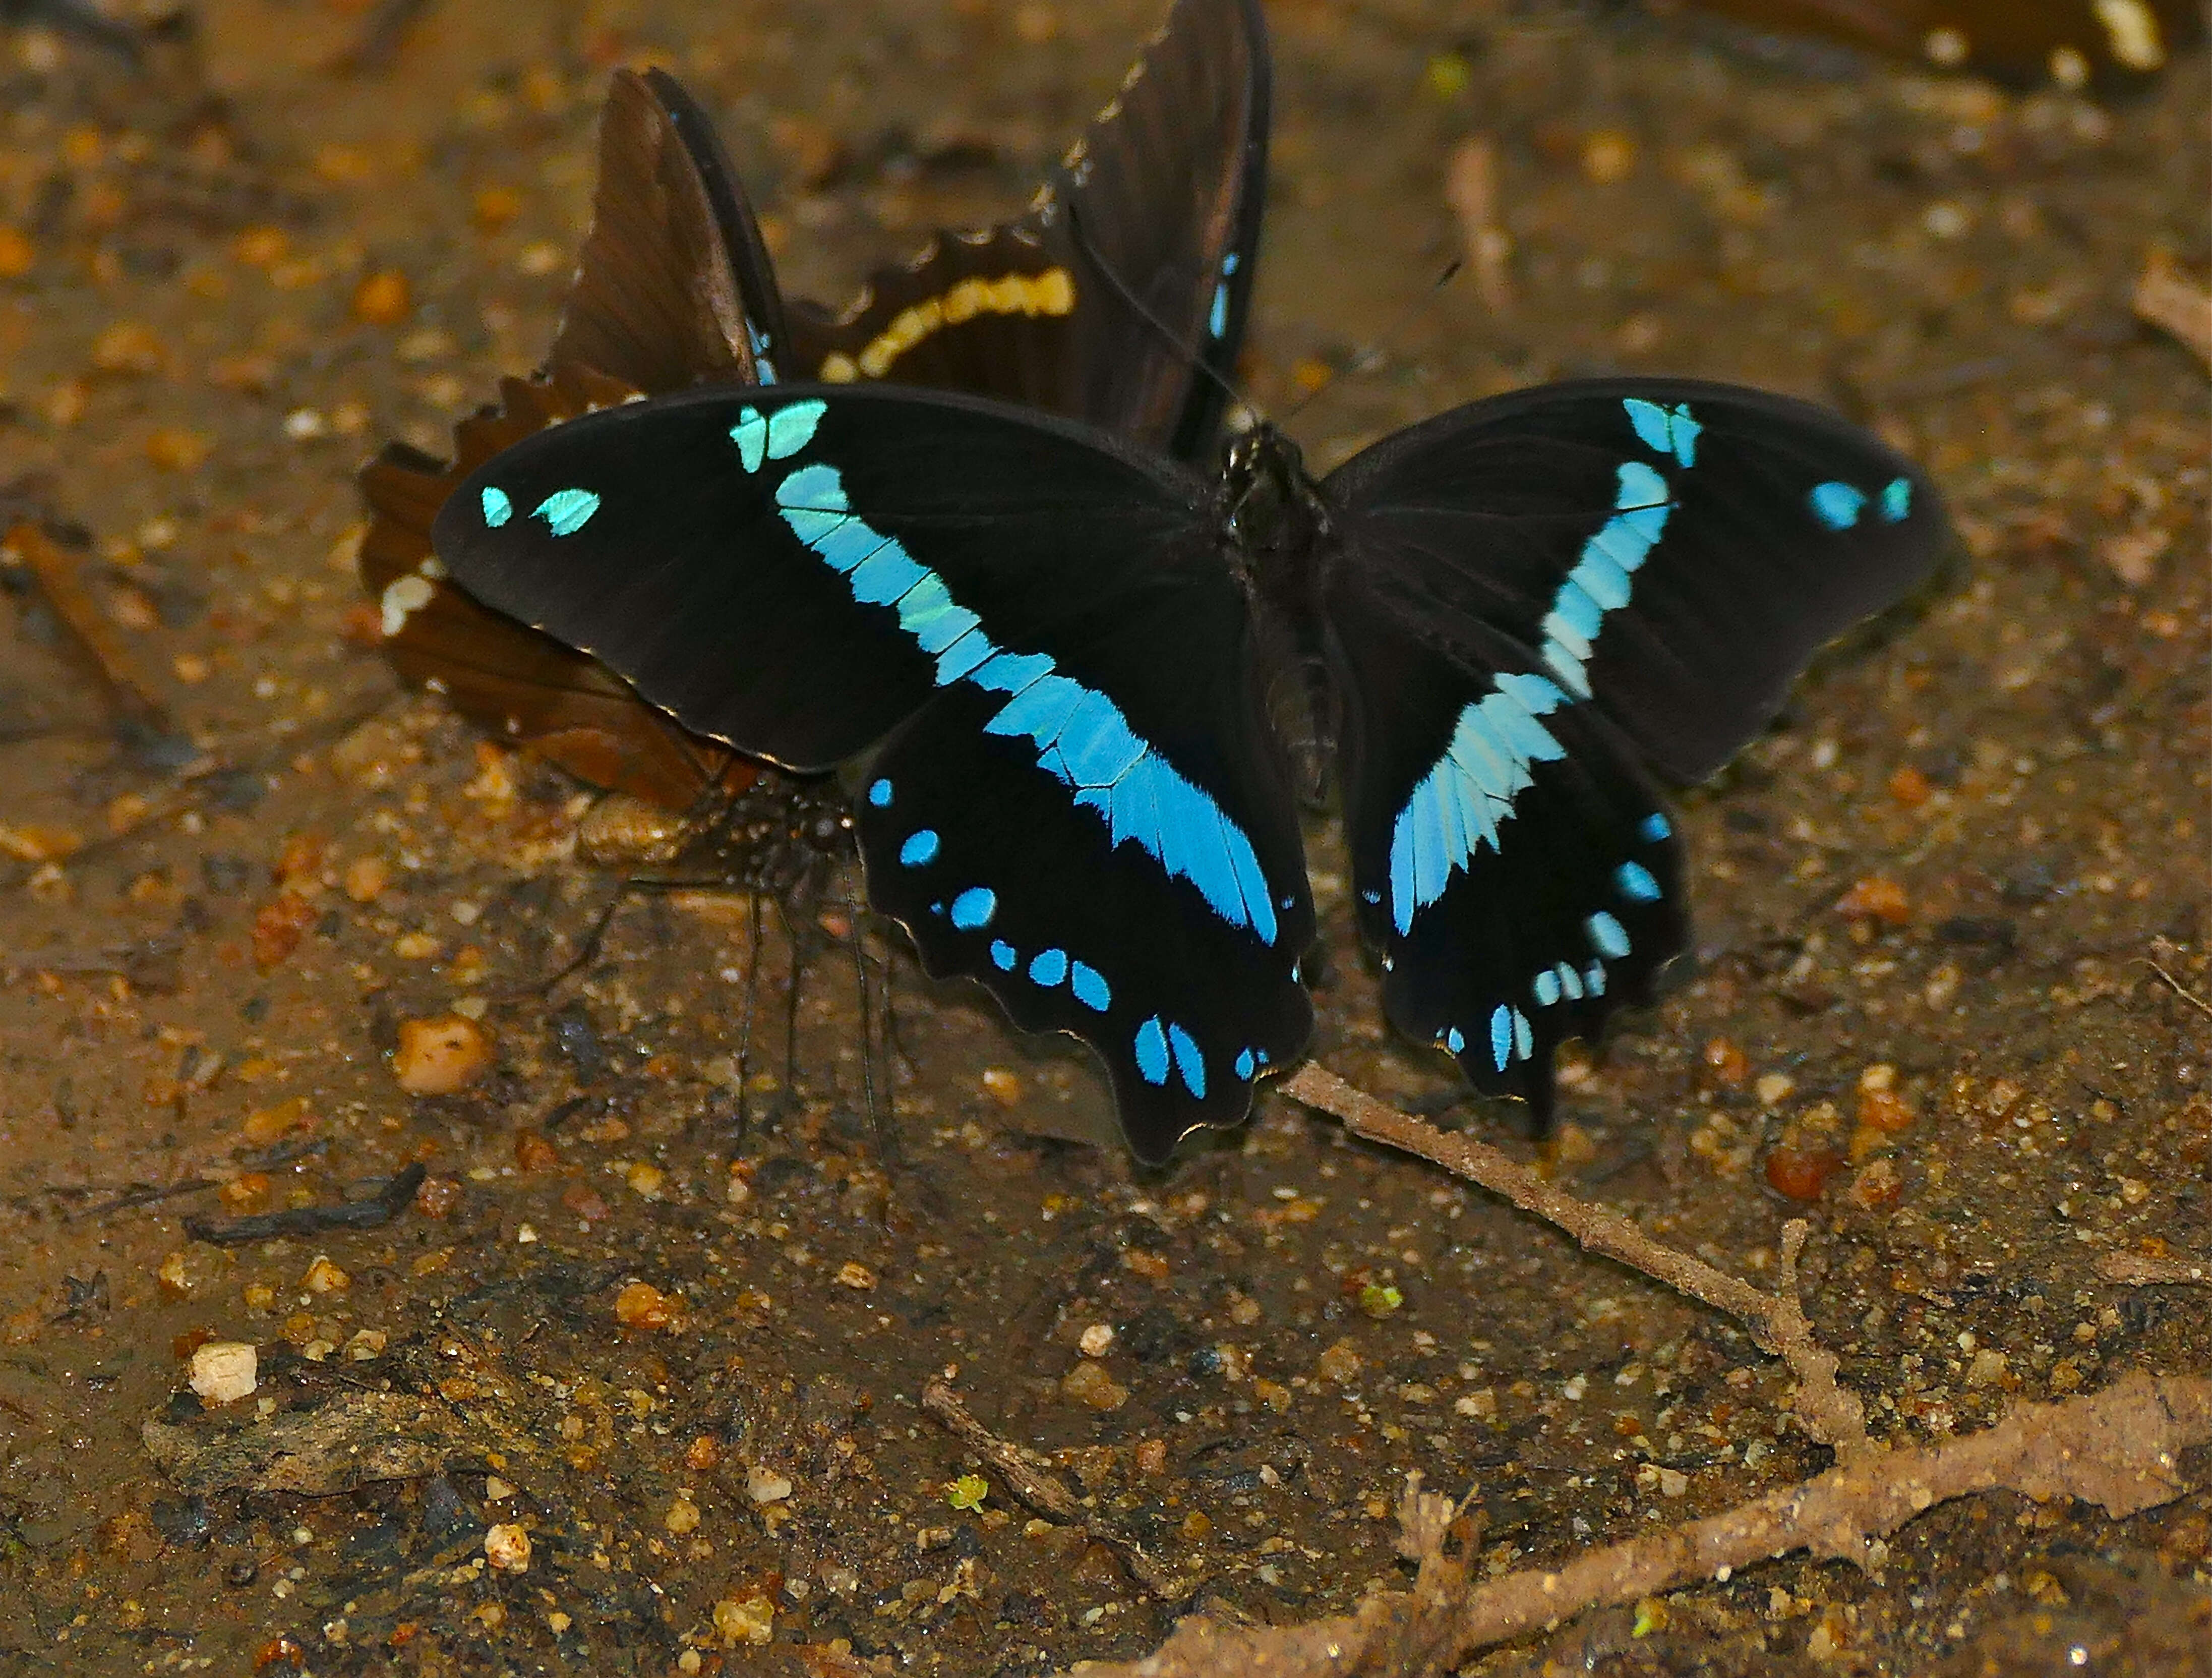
1049 658
675 289
2107 44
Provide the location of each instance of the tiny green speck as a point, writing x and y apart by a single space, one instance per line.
1379 1298
968 1492
1447 76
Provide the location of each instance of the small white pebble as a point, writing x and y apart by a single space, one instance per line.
765 1486
304 425
225 1369
1098 1340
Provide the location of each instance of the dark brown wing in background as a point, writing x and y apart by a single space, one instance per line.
660 301
2018 42
674 287
1163 190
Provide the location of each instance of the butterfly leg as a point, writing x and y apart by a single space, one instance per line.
882 1119
745 1014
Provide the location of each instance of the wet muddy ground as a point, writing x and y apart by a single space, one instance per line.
684 1365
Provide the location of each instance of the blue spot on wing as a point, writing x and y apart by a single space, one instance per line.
1635 883
1837 505
790 429
750 433
1654 828
1189 1061
567 511
1610 936
1004 955
974 907
1664 430
1152 1046
497 509
879 794
1897 500
1048 968
1089 987
919 849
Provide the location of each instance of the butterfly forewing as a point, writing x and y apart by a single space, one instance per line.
673 287
1545 603
1079 803
1672 551
1159 202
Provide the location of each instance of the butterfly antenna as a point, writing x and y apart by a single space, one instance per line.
1366 362
1167 335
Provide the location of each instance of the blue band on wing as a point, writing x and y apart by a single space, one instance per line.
1083 740
1462 803
1459 803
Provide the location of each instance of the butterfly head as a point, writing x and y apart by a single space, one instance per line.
1269 504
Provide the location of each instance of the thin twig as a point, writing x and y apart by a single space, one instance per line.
2117 1449
1031 1482
2165 298
2141 1270
2180 989
1470 191
130 694
1829 1413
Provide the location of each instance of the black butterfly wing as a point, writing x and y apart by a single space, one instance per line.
674 286
1076 800
1547 602
1155 213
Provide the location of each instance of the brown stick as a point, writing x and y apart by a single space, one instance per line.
128 692
1470 191
2141 1270
1828 1412
2117 1448
1028 1479
2165 298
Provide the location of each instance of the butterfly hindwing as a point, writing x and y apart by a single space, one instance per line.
1510 859
1037 622
1551 601
1158 202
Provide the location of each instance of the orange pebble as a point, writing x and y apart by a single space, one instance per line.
495 206
1874 898
642 1305
1910 788
382 299
532 1153
1725 1063
1800 1173
17 254
262 246
440 1056
279 926
1885 1111
174 449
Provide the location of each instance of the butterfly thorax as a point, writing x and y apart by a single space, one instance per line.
1274 522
